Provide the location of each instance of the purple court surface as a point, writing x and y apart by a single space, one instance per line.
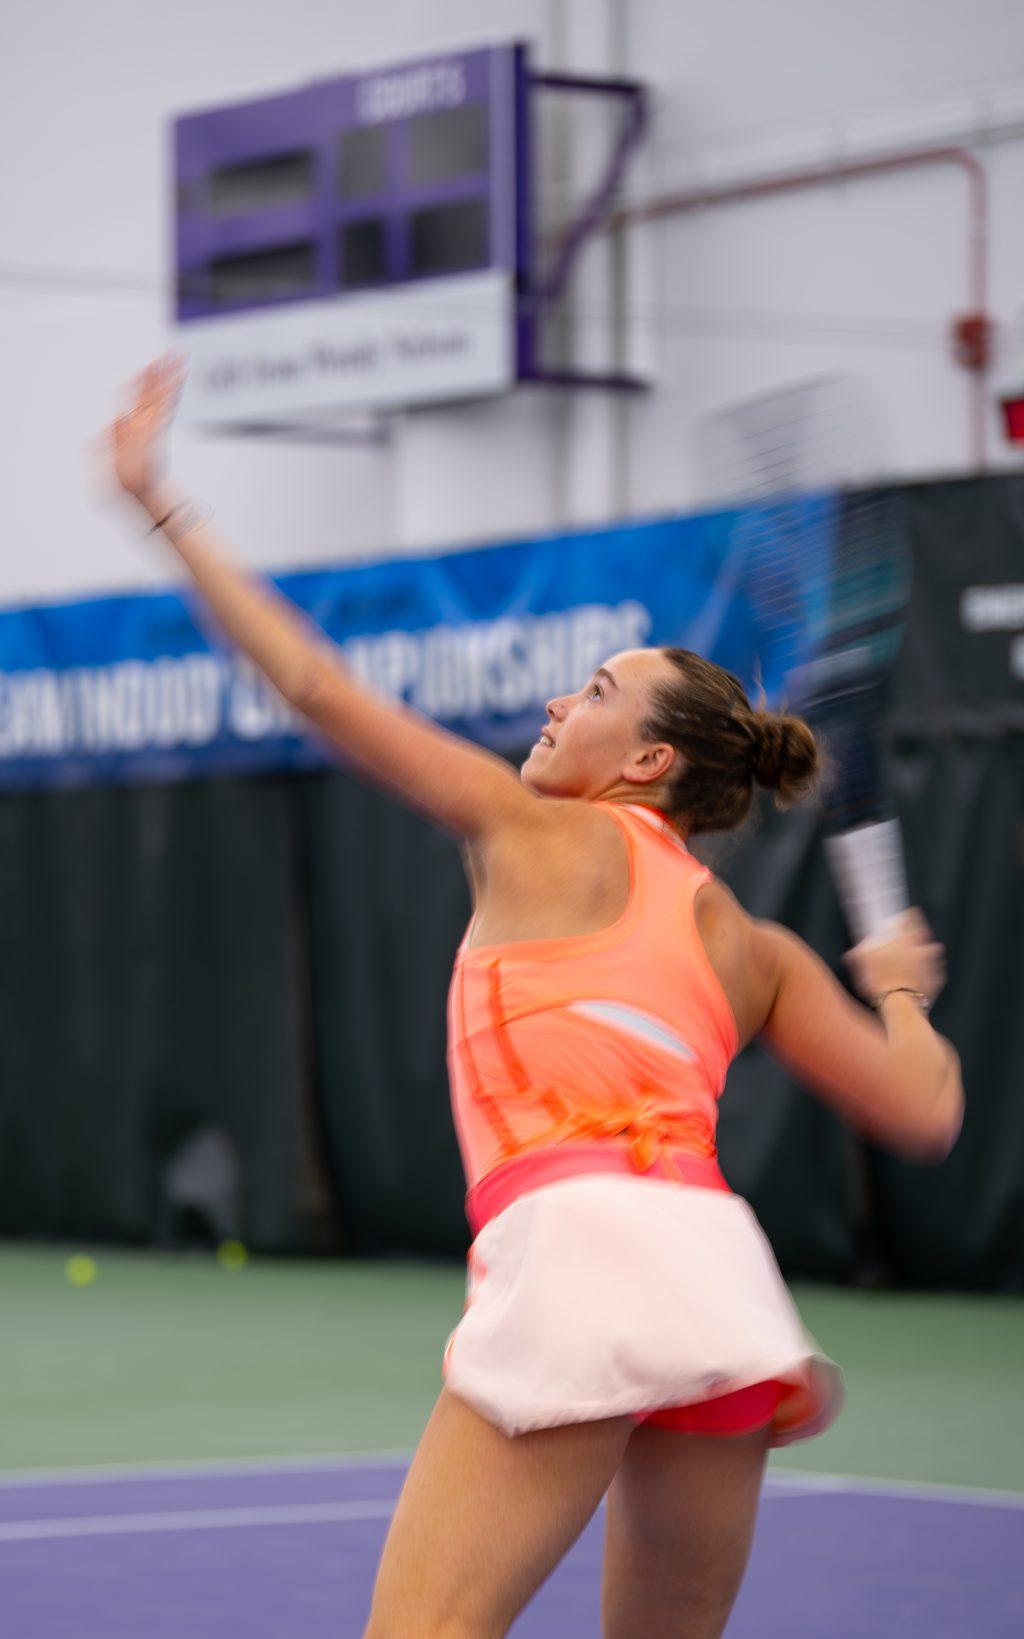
268 1550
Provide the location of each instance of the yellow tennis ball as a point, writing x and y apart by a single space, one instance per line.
231 1255
81 1269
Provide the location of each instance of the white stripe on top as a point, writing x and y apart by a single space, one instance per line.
634 1022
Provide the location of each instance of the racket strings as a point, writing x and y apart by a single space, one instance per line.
826 585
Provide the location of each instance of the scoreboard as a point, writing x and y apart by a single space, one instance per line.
359 242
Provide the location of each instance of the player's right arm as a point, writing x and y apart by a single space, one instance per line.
887 1073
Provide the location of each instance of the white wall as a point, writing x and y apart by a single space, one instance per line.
862 278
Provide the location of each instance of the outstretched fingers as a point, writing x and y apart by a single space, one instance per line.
137 433
156 389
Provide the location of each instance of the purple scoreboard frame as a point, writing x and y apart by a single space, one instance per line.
289 147
313 121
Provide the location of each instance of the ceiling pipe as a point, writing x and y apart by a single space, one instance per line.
971 330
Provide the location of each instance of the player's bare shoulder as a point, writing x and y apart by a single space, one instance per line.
564 861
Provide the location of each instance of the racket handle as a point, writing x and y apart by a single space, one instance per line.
870 876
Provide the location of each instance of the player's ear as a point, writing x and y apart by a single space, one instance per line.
651 762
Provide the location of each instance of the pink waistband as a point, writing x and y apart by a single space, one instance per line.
504 1184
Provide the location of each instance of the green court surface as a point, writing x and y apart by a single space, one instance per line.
175 1358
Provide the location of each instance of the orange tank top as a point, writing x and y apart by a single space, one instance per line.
596 1052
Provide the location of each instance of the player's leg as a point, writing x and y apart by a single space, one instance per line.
483 1519
680 1521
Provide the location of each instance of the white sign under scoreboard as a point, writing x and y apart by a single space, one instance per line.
431 342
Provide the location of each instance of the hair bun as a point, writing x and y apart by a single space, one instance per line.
785 755
704 713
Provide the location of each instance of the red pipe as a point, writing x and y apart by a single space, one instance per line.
675 204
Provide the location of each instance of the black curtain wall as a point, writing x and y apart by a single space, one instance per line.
962 1223
388 906
222 1005
955 752
153 953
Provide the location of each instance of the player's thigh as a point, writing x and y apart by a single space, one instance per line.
483 1519
680 1520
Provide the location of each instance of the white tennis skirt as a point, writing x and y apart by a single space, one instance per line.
603 1296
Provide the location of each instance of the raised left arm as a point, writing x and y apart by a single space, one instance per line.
464 789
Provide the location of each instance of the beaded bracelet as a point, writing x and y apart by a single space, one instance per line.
902 990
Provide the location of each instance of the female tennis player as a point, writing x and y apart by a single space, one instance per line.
627 1330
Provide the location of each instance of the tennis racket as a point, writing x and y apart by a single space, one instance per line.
825 581
843 696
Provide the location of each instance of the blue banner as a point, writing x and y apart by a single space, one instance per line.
129 688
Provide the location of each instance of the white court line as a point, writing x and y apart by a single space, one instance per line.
807 1482
778 1481
797 1483
195 1519
215 1468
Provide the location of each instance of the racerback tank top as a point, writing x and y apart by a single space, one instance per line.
595 1052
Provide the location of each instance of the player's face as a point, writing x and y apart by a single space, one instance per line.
593 740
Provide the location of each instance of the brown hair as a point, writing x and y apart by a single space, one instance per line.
726 745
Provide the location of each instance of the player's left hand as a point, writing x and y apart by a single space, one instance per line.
137 438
